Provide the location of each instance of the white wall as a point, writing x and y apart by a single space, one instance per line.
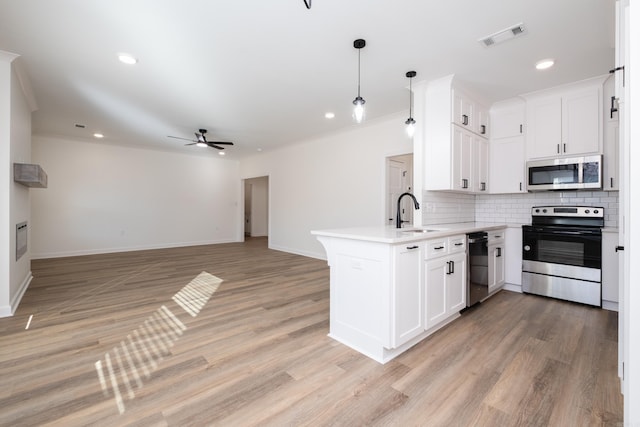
107 198
15 135
330 182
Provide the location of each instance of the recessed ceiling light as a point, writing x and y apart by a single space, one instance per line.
98 135
329 115
258 149
544 64
125 58
222 153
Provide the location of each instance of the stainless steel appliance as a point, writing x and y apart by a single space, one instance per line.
478 267
575 173
562 253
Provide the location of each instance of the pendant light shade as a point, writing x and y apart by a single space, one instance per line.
358 103
410 122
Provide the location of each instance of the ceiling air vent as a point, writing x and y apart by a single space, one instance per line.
503 35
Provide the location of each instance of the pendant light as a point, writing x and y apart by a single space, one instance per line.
411 124
358 103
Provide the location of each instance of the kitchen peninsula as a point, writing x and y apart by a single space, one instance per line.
392 287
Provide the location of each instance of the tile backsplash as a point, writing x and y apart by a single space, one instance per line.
442 208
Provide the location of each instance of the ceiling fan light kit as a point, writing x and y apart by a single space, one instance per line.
358 109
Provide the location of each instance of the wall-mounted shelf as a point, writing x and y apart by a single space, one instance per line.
29 175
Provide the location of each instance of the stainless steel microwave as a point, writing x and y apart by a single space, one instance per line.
574 173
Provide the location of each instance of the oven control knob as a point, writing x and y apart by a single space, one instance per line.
537 210
595 211
527 248
544 211
586 211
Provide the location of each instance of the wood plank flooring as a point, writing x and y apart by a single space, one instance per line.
257 353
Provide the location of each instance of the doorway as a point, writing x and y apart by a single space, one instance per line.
256 207
399 180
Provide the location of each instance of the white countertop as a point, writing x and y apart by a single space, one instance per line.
390 234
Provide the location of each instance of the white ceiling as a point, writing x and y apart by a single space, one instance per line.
263 73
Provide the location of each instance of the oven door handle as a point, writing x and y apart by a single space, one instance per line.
542 230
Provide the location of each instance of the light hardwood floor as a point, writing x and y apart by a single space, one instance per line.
257 352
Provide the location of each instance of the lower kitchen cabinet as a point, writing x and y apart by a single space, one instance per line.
610 288
496 260
408 293
445 280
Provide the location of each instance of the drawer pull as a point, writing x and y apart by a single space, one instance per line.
413 247
459 244
437 248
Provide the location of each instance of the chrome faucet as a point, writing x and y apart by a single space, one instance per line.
415 203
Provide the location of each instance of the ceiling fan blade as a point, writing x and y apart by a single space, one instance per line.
177 137
221 142
193 143
211 144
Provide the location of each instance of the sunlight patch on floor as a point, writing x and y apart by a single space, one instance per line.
123 368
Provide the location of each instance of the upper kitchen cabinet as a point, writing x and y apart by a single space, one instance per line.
453 138
565 121
507 147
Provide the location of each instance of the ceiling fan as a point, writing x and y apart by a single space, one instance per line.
201 140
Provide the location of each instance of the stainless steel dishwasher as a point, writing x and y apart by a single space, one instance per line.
478 267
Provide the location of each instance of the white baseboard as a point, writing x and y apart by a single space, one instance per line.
610 305
9 310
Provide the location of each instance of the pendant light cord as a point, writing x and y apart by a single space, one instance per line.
410 98
307 3
359 72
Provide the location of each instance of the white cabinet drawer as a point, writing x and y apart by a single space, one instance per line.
496 236
447 245
457 244
437 248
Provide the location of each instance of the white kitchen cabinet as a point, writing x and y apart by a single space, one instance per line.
496 249
453 143
507 147
513 258
480 164
565 121
408 293
611 157
610 287
445 279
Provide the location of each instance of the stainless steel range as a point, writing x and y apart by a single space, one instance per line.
562 253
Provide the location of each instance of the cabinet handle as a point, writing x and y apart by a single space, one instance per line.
618 69
619 248
520 128
483 129
613 107
483 186
453 265
564 148
459 244
611 182
499 254
437 248
558 148
465 119
412 247
465 183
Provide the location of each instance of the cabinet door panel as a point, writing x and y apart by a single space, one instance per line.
581 122
481 164
409 294
435 279
544 121
457 284
507 172
461 160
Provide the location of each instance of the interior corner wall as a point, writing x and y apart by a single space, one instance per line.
15 147
112 198
334 181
